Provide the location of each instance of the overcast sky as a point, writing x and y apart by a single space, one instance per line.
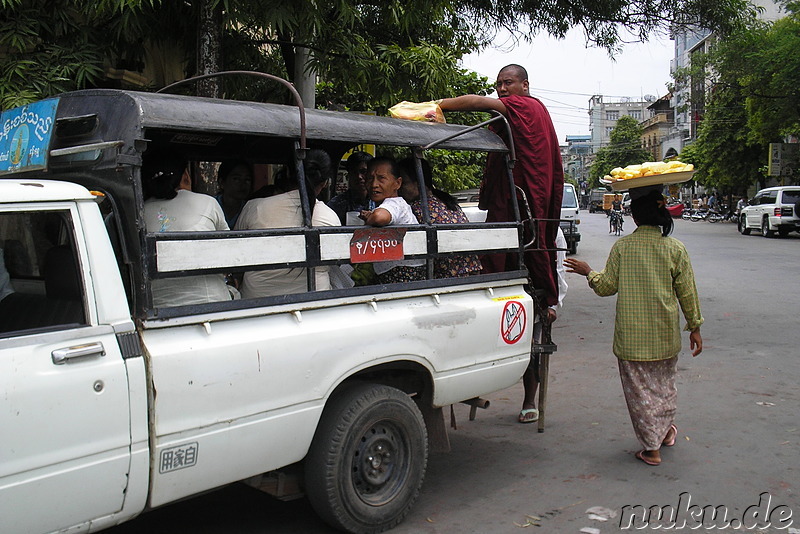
565 74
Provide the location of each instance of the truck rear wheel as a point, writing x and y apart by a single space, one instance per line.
367 462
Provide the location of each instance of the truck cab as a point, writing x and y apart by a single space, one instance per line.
570 213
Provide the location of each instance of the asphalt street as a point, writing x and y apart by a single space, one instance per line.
739 429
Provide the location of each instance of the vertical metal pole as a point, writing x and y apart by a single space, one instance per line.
426 213
306 207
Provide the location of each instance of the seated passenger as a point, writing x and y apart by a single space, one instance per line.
284 211
355 198
235 179
443 209
5 279
173 207
384 179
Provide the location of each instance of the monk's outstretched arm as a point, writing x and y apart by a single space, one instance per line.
473 103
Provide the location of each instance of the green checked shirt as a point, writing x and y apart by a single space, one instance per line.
650 274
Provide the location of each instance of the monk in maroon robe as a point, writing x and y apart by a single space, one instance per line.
538 172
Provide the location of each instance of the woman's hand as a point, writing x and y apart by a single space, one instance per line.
376 217
576 266
696 342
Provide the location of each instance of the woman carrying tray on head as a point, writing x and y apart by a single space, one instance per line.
651 275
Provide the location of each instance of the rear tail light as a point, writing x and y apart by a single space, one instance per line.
777 212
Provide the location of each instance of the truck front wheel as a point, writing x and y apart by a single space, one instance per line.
367 462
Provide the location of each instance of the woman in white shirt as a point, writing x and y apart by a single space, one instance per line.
384 179
173 207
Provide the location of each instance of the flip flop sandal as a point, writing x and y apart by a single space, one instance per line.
528 415
670 442
646 459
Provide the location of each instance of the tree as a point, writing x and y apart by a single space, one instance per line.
761 62
387 50
726 157
752 99
624 148
50 47
369 55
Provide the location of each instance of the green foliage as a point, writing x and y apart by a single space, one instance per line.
625 148
48 47
753 100
373 54
764 62
724 153
454 171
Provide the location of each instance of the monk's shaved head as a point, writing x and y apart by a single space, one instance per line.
512 80
517 70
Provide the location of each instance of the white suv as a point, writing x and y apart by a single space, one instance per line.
775 209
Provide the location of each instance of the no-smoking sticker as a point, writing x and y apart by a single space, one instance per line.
513 322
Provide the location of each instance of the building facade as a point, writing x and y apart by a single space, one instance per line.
688 100
657 127
604 113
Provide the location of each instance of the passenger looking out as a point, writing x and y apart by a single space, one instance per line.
384 179
284 211
443 209
171 206
235 178
355 198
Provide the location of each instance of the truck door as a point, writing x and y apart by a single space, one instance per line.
64 408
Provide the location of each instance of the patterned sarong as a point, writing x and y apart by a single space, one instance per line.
651 395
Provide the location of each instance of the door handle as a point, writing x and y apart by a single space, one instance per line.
62 356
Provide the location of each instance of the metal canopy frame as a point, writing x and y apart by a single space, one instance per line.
116 127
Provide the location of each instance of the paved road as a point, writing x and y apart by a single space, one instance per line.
738 417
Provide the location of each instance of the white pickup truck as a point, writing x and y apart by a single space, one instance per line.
111 406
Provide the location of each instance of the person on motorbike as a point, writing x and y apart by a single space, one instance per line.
615 214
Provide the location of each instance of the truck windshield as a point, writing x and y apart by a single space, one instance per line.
569 200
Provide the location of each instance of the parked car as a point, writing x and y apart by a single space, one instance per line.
774 209
467 195
569 218
468 200
676 210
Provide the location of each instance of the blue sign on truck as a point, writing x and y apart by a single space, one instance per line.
25 136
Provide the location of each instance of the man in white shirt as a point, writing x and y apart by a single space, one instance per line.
285 211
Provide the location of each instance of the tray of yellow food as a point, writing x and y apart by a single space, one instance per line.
647 174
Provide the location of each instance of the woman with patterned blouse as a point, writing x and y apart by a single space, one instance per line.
443 209
651 275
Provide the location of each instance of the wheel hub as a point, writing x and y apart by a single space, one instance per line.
378 464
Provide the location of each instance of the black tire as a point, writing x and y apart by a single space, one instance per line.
367 462
765 231
743 229
783 231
